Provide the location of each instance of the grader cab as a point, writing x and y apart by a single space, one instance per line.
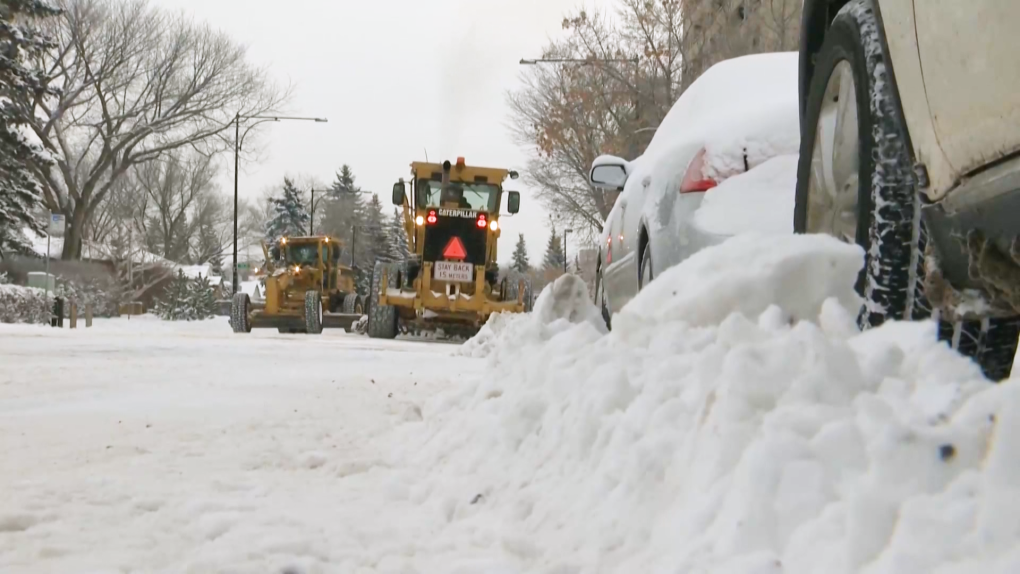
451 282
306 291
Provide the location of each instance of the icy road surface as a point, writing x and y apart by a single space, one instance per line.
144 446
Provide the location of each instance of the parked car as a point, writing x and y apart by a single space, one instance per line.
910 147
734 120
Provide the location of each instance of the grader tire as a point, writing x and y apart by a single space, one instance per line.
240 306
313 313
382 319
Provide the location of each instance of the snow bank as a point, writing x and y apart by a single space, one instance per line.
561 305
760 200
713 432
24 305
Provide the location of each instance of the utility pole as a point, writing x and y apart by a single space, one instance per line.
238 141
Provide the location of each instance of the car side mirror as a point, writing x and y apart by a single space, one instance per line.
513 201
609 176
398 193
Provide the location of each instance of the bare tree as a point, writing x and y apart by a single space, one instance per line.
569 114
136 82
171 187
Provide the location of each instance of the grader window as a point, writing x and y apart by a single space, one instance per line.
476 196
307 254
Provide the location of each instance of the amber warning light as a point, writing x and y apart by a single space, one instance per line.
455 249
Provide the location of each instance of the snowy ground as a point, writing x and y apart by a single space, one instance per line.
733 422
143 446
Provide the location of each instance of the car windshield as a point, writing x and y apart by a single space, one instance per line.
303 254
463 195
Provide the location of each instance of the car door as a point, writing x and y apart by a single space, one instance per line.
969 57
618 259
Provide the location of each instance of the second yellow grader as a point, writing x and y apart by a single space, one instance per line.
451 282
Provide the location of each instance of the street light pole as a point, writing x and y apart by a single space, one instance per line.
238 142
311 219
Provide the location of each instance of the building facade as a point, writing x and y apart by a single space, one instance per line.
716 30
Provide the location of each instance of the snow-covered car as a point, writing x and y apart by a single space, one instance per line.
910 147
735 127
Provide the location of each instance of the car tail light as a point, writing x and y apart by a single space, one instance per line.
609 249
432 217
695 179
482 223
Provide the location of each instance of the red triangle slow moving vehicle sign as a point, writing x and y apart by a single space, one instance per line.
455 249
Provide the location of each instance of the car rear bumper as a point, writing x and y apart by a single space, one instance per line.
972 255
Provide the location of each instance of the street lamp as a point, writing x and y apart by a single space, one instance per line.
565 232
533 61
238 140
311 219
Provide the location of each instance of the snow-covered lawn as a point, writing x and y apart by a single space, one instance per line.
733 422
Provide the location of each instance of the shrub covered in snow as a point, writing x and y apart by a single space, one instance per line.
4 280
24 305
99 292
187 299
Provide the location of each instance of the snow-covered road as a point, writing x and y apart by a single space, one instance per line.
142 446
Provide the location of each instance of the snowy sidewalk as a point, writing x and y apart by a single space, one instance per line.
142 446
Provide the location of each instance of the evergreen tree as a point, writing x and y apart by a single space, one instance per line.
344 209
202 298
398 249
21 46
520 259
187 299
554 257
290 214
373 242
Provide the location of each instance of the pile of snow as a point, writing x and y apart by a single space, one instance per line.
562 304
24 305
759 200
734 421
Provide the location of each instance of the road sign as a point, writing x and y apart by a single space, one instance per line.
242 266
56 226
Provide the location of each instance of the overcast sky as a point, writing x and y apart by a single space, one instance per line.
394 77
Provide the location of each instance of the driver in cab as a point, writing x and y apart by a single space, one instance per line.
453 196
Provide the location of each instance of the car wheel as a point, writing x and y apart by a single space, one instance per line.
313 313
646 272
855 182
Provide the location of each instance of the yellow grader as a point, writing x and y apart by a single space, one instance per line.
452 280
308 292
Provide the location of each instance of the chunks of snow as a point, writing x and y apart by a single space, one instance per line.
562 304
760 200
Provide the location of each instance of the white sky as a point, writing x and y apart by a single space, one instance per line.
393 77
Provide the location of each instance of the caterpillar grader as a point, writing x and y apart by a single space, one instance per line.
451 282
307 292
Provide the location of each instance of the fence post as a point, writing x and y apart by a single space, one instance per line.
88 315
74 315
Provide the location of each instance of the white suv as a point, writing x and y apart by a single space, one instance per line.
910 147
